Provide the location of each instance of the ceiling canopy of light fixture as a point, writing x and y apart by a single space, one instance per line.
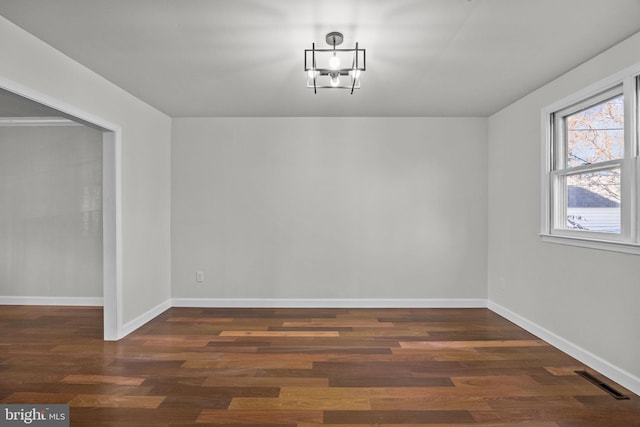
334 68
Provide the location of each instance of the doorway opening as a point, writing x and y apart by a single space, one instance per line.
21 106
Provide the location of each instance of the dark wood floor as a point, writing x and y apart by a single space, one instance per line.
299 367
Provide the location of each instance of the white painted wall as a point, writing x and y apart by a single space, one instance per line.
586 297
50 211
29 64
329 208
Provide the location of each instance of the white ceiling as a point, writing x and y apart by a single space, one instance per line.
245 57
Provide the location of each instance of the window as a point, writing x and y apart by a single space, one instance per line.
590 187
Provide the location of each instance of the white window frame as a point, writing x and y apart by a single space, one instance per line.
553 229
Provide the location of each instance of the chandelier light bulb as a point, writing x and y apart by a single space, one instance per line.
335 80
334 62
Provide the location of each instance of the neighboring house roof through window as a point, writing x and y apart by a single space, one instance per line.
582 198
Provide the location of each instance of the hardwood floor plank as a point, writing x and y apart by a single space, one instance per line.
38 397
171 342
204 402
302 403
219 381
270 334
312 328
425 345
111 401
14 374
260 417
102 379
446 424
178 389
443 355
327 349
284 357
131 417
193 320
397 417
390 382
560 402
561 371
494 381
431 403
346 322
265 363
402 334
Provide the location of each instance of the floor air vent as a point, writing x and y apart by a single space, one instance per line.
612 391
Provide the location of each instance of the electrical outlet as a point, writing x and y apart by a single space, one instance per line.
199 276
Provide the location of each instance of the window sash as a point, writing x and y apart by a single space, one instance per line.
559 204
559 142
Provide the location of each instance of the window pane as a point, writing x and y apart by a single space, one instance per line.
593 201
596 134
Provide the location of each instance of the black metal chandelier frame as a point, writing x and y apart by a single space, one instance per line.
358 64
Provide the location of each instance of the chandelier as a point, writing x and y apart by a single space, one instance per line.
334 68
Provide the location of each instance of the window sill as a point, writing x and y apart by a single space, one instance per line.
603 245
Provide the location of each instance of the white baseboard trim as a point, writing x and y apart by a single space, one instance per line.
611 371
327 303
134 324
18 300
